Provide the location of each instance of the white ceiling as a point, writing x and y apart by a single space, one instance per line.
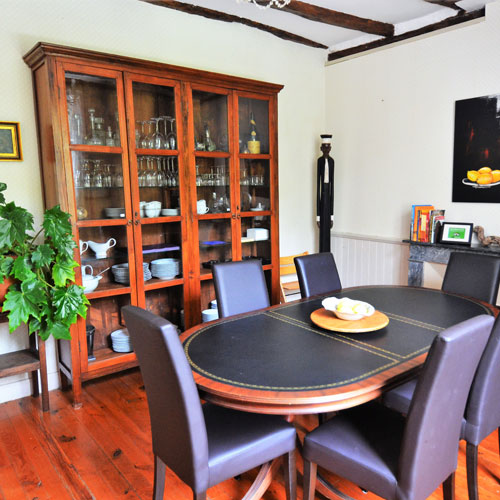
405 15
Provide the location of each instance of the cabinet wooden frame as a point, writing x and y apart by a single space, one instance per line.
50 65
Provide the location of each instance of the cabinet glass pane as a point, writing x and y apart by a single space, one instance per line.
212 185
210 121
256 238
98 181
168 303
154 109
208 301
105 250
103 318
215 242
158 181
253 126
161 250
92 110
254 185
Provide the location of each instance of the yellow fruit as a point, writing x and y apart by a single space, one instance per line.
484 170
486 178
496 175
472 175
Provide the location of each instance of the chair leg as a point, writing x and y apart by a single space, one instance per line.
449 488
290 476
471 462
159 480
200 496
310 470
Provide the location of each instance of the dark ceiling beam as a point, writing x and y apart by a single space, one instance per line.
340 19
452 4
221 16
446 23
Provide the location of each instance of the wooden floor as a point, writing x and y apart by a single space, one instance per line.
103 451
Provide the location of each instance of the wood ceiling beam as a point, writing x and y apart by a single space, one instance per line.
221 16
339 19
451 21
452 4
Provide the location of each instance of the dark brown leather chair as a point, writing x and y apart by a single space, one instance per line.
474 275
317 274
202 444
482 414
398 458
240 287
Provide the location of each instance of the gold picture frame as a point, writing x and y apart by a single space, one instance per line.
10 142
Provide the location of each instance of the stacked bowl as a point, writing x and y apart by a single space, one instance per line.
121 273
120 341
167 268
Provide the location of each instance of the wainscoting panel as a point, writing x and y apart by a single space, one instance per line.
362 260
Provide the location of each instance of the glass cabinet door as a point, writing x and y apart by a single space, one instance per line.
253 121
92 110
210 121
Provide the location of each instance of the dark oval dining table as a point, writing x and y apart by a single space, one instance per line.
278 361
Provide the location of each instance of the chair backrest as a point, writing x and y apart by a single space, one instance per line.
240 287
482 414
474 275
177 424
430 443
287 264
317 274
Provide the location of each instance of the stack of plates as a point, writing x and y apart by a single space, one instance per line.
165 268
121 274
120 341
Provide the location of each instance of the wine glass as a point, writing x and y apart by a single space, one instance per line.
157 139
171 138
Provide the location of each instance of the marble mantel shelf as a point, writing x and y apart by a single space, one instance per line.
436 252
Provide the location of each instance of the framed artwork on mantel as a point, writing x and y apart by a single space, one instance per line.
476 158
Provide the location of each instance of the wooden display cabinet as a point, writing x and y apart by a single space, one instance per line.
164 171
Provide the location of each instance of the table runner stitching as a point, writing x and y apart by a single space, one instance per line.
420 324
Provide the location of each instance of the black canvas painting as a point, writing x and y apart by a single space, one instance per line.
476 161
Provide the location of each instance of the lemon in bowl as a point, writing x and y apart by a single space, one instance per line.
348 309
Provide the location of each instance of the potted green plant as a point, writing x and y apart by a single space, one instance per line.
43 295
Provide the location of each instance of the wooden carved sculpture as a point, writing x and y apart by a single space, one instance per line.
486 242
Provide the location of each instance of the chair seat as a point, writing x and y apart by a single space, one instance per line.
239 441
400 397
377 433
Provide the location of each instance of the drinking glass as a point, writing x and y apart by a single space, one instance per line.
157 139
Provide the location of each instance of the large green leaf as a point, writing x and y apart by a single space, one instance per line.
57 227
68 303
21 269
42 256
63 271
5 266
3 187
23 302
16 222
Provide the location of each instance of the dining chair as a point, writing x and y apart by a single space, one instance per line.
317 274
482 413
202 444
398 458
474 275
291 287
240 287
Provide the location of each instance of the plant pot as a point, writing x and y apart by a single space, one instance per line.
4 288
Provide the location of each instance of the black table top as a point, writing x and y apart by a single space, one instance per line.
280 349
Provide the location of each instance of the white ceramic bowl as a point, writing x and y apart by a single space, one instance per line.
170 211
152 212
153 204
90 283
351 310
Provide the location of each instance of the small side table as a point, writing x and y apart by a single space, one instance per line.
32 360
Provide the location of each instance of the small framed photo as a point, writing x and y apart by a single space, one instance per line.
10 142
456 233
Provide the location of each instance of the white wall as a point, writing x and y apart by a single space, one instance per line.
391 113
137 29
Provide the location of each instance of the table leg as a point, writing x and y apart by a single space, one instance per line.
263 480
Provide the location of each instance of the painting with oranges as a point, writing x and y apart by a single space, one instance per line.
476 160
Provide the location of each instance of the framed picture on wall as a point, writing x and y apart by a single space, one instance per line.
456 233
10 142
476 153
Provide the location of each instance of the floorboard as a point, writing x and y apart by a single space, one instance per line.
103 451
